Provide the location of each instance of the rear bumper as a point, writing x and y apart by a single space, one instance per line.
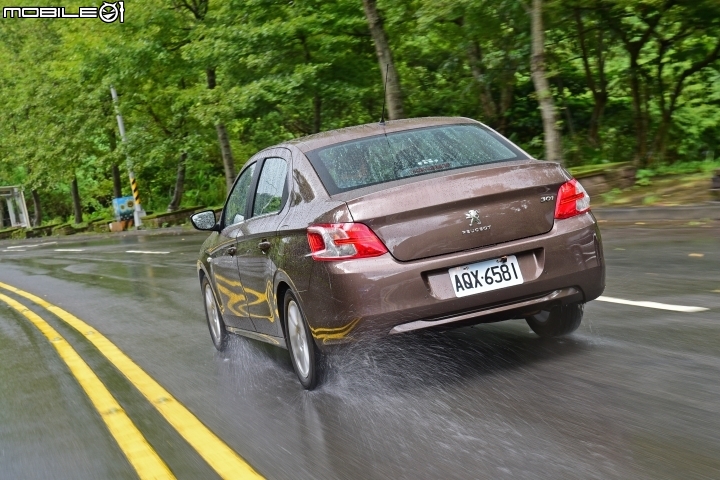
500 312
382 295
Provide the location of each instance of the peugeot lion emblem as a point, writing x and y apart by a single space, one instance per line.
473 216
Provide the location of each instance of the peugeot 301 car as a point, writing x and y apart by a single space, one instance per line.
393 227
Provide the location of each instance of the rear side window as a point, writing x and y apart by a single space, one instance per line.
271 187
384 158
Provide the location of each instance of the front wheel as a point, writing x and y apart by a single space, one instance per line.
218 333
304 354
559 320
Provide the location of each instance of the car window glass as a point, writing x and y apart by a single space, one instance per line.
393 156
235 208
269 193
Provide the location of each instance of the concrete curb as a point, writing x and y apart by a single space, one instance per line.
710 211
90 236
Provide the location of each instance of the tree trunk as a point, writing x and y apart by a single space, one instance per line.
638 113
117 184
228 161
76 200
660 143
601 99
225 151
393 94
565 107
669 106
487 102
553 149
317 111
37 217
599 90
506 94
639 90
179 184
317 100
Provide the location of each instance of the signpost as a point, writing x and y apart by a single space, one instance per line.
138 212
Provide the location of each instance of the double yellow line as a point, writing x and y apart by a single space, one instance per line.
137 450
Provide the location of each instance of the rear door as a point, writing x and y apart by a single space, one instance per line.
258 251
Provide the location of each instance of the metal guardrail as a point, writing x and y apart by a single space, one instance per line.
14 201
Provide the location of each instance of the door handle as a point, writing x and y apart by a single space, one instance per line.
264 245
231 251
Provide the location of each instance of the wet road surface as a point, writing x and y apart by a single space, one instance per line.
634 393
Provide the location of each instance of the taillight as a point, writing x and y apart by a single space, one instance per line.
343 241
572 200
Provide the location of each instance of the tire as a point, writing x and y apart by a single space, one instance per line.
215 322
304 354
559 320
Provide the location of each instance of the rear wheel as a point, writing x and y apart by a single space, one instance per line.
559 320
218 333
304 354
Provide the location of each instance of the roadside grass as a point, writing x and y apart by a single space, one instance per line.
666 190
585 170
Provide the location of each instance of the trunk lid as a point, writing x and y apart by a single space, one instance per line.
472 209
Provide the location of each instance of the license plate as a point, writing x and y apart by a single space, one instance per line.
485 276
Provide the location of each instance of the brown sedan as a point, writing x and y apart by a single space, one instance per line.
389 228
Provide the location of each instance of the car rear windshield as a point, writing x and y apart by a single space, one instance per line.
384 158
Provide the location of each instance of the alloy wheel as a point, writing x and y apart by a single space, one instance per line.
298 339
214 316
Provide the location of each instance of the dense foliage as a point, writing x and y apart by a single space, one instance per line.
203 84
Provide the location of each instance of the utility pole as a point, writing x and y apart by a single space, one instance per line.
138 212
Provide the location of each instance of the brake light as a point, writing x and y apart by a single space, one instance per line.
343 241
572 200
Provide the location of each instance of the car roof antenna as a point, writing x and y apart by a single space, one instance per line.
382 116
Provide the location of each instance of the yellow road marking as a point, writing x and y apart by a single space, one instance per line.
138 451
216 453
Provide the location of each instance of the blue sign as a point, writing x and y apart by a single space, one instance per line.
124 208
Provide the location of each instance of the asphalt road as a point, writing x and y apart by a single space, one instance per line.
634 393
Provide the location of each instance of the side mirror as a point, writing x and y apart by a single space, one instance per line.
205 221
